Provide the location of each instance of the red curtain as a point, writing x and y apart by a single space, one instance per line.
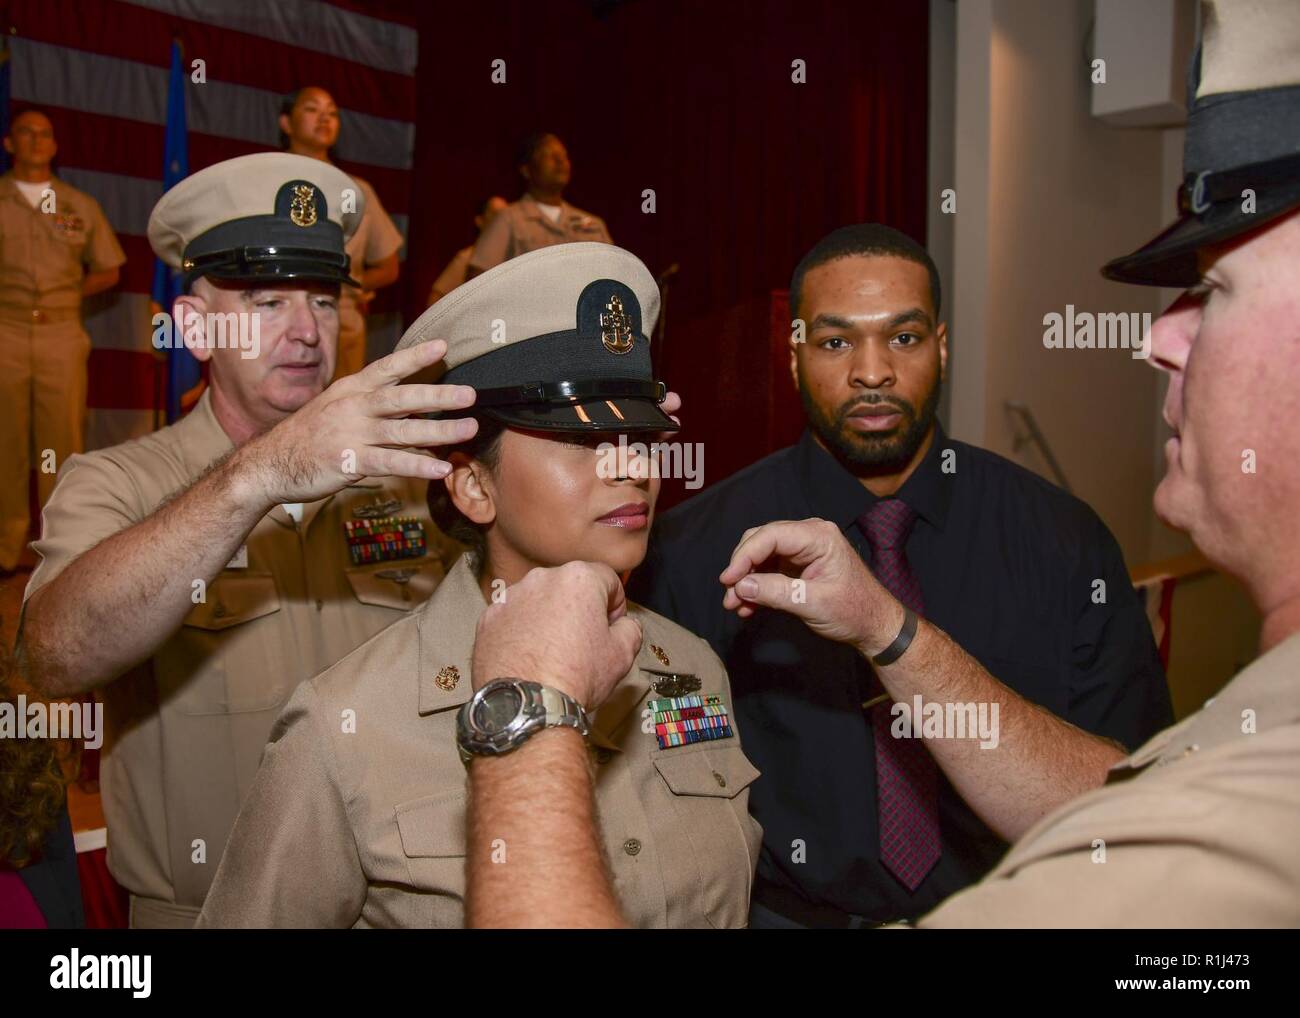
695 101
105 903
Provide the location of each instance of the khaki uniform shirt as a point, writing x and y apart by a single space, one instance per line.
522 226
185 731
1198 828
376 238
44 255
364 825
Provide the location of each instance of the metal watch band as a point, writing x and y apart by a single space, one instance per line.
542 707
901 642
562 709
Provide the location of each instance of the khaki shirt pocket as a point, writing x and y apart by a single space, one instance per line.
234 598
705 782
432 832
228 657
706 769
434 825
400 585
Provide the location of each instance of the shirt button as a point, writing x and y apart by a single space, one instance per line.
319 604
219 611
722 782
603 755
38 315
631 846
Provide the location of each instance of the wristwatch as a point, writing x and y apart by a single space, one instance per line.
506 712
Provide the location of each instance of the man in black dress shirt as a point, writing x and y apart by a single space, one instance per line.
861 826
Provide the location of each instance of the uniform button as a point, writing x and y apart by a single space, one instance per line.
319 604
38 315
631 846
219 611
722 782
603 755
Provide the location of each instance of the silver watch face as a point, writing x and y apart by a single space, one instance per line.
494 712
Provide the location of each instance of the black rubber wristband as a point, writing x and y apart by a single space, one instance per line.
901 642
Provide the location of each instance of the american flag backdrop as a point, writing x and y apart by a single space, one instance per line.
100 72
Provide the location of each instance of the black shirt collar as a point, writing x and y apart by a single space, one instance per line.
833 493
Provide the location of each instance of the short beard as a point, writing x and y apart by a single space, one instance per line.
887 452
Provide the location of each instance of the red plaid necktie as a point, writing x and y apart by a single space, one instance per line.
907 778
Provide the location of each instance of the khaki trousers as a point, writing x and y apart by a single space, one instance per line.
42 412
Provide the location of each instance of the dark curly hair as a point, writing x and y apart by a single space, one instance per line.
32 784
485 447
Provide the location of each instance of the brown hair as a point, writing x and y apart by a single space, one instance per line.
485 447
32 785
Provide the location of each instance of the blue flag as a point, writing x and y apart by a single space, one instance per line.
183 371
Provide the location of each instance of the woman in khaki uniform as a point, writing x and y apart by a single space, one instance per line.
309 126
357 816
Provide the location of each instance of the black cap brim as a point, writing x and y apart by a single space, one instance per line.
1170 259
621 415
271 272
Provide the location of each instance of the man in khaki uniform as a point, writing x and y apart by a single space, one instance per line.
310 124
357 817
197 575
541 217
1199 827
56 248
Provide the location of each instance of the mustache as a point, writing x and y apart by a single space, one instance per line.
904 408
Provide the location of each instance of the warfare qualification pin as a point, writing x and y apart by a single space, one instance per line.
377 509
616 327
673 683
402 577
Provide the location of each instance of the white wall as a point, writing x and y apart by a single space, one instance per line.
1046 194
942 141
968 320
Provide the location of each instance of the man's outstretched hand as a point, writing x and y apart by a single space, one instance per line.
358 427
809 569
